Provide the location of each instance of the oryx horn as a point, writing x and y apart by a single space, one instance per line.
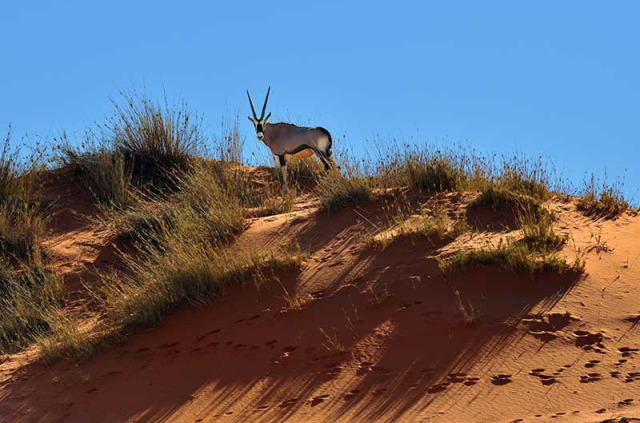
252 108
264 108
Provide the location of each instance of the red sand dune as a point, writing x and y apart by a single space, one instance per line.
381 338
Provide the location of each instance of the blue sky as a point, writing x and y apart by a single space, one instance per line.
553 78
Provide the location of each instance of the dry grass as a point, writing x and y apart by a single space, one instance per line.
336 191
512 256
144 144
605 201
28 297
22 216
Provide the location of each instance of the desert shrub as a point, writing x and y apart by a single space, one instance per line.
155 137
143 144
101 170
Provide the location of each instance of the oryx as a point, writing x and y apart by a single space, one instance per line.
285 139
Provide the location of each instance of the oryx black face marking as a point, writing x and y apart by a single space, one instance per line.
285 139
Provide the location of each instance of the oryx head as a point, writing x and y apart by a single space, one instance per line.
259 123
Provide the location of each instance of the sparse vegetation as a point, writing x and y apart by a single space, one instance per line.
144 143
22 216
512 256
467 311
332 343
433 173
606 201
539 233
28 297
181 211
336 191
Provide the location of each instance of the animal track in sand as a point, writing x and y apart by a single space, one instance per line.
288 403
624 402
439 387
169 345
628 351
589 340
590 377
545 327
591 363
632 377
501 379
544 378
351 394
319 399
463 378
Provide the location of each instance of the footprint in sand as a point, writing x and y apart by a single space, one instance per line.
627 351
591 377
351 395
262 408
589 340
288 402
624 402
439 387
169 345
319 399
632 377
591 363
544 378
501 379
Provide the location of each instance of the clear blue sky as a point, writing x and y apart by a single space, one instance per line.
558 78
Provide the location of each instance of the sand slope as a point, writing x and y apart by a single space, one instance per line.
381 338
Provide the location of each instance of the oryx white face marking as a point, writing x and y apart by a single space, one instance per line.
259 123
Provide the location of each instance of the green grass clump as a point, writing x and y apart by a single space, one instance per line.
515 257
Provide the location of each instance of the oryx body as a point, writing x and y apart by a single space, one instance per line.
285 139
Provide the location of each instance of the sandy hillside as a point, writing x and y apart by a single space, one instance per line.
380 336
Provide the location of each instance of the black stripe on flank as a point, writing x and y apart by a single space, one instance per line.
300 148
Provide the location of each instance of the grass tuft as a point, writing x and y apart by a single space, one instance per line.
28 297
515 257
336 191
606 201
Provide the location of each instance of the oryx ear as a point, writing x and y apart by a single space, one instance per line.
267 118
252 120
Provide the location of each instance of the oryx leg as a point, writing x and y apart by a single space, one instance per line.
323 158
283 169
